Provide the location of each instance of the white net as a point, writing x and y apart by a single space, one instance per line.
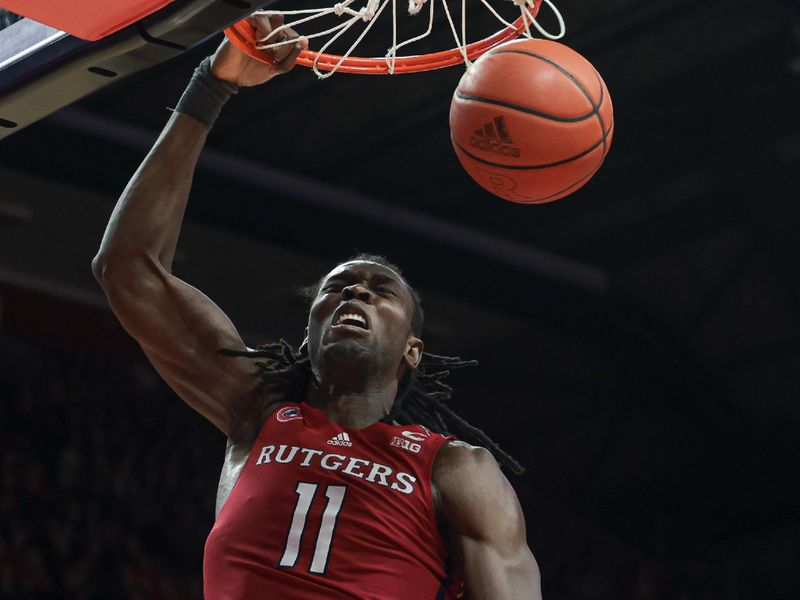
349 14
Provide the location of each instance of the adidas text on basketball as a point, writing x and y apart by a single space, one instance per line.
494 137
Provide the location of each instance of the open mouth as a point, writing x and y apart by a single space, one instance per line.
352 319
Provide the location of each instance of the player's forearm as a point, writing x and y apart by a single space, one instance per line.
146 222
147 219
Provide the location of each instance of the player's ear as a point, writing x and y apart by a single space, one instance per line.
413 354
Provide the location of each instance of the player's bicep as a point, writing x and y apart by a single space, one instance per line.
180 330
486 525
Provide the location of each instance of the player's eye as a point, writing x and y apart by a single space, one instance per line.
385 291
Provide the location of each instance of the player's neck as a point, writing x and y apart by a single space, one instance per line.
352 409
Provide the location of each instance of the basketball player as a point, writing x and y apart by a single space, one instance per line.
338 482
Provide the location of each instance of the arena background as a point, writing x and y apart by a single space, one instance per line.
639 341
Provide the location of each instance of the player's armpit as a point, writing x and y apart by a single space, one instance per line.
180 330
486 525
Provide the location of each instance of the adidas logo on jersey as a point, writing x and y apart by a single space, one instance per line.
340 439
494 137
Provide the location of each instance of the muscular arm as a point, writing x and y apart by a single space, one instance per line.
485 524
177 326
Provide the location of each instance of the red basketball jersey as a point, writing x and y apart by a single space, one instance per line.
321 511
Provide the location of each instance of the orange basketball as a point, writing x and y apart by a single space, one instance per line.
531 121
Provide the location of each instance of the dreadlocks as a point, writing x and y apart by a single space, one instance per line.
421 395
420 398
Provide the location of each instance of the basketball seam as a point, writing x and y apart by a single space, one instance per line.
557 66
470 98
560 192
582 180
530 167
599 116
577 183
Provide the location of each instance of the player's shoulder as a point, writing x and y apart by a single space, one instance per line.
458 452
457 460
468 483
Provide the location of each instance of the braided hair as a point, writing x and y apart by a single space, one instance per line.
421 395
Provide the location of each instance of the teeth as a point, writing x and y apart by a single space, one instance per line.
351 316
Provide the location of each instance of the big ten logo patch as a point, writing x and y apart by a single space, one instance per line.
406 444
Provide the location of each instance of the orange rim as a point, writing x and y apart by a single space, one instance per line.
242 35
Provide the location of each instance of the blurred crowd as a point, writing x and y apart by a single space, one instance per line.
106 481
107 486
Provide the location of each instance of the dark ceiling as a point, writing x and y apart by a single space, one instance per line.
652 392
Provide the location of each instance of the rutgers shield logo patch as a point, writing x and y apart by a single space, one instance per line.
289 413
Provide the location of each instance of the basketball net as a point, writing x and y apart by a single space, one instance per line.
351 13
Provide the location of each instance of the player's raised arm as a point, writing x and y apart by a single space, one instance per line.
486 525
178 327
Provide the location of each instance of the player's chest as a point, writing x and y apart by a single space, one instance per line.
361 485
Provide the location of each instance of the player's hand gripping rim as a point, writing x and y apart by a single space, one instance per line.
232 65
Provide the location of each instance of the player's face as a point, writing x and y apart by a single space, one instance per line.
363 313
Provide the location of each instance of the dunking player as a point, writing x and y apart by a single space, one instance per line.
338 481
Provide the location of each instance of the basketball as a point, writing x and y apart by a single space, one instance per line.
531 121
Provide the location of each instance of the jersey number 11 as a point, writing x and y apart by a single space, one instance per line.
305 496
